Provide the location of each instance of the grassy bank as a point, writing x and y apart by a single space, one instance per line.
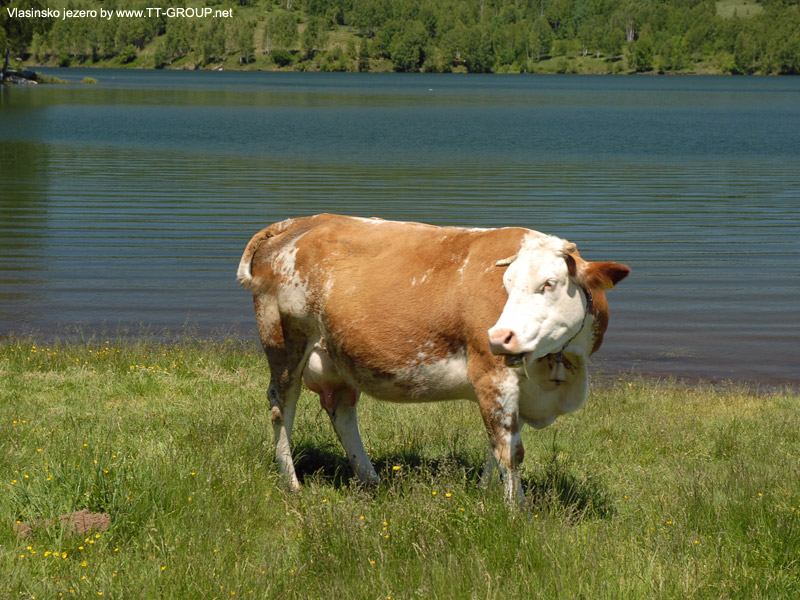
651 490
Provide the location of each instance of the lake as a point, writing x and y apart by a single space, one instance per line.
125 205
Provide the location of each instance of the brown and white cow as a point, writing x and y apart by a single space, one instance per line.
409 312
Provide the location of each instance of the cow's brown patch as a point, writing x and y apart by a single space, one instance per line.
80 522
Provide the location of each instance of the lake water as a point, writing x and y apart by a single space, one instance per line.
127 204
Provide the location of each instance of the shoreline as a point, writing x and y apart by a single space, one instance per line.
601 373
263 69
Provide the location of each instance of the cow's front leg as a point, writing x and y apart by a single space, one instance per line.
499 401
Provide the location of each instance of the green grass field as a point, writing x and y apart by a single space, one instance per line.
738 8
653 490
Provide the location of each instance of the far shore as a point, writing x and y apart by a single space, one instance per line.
579 68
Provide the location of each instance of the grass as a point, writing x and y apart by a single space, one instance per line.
653 489
738 8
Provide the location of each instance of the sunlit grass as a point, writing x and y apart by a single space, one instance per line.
651 490
738 8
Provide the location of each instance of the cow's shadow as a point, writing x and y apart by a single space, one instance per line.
553 485
328 465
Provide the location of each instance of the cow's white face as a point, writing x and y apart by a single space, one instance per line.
545 307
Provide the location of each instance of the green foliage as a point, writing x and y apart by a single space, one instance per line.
477 50
179 38
744 53
407 49
16 33
640 54
314 37
363 56
281 30
211 41
128 54
160 54
738 36
4 42
281 58
541 38
240 40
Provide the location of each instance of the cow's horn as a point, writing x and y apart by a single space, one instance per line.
568 248
506 261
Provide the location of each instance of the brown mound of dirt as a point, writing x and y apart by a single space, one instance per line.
80 522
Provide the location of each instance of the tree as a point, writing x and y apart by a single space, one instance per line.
131 32
477 50
282 29
787 56
5 48
180 33
613 41
128 54
240 38
314 37
211 41
452 44
640 54
559 14
408 47
17 33
367 16
673 54
696 37
541 38
160 53
363 56
509 41
745 53
591 34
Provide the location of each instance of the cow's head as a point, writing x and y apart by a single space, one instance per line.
546 303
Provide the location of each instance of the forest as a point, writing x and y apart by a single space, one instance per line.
466 36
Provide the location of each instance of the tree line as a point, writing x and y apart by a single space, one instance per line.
475 36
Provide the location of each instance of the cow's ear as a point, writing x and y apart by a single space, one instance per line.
572 266
604 275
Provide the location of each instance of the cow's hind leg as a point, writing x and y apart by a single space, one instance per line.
339 401
286 355
283 406
343 414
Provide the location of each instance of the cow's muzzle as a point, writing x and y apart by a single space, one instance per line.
503 341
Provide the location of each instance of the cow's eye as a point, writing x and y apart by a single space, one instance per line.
549 285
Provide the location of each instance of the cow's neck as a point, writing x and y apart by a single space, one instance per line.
559 374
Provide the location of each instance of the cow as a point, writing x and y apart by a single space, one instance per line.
409 312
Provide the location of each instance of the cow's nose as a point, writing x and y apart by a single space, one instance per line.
503 341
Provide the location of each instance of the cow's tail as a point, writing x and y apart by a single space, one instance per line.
245 272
